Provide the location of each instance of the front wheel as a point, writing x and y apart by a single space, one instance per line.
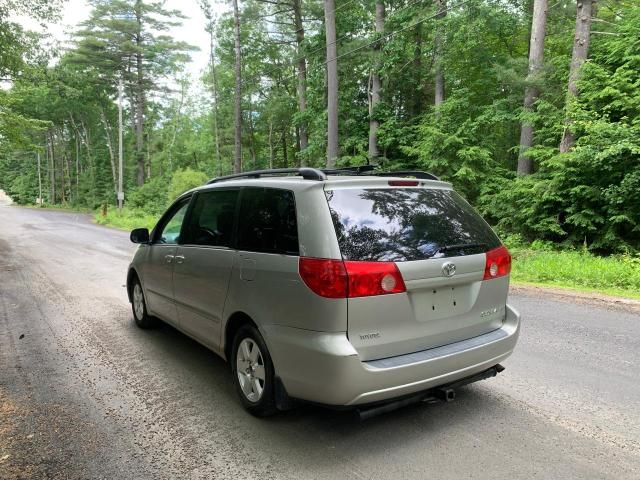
139 307
253 372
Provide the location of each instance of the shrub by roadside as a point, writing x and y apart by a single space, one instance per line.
539 263
128 219
146 203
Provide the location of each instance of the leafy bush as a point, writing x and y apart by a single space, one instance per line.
128 219
184 180
150 197
590 195
578 269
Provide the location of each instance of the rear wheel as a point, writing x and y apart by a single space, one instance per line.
253 372
139 307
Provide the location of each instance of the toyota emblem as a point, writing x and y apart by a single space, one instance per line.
448 269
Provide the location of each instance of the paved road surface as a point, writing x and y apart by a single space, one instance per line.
84 394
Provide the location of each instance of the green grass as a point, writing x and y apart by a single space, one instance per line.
615 275
128 219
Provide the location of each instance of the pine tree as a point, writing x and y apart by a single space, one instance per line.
124 39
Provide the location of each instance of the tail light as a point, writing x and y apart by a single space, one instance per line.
348 279
498 263
326 277
373 278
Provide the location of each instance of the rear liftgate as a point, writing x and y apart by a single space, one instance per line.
444 393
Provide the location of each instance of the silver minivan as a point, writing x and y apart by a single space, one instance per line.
344 288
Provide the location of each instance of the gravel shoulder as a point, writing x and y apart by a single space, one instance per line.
575 296
84 394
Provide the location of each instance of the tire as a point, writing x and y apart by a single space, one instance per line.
253 373
139 307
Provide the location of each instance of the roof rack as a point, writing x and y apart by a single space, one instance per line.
367 170
360 170
321 174
305 172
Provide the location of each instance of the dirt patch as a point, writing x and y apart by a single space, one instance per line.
12 449
35 440
584 298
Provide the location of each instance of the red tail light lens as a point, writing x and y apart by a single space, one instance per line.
373 278
498 263
337 279
326 277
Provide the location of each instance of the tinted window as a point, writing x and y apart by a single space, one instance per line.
211 219
267 221
407 224
170 232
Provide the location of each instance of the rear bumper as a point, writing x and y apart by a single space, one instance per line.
325 368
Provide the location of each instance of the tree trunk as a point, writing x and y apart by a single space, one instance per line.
140 98
174 133
39 180
252 136
92 169
148 155
374 95
76 134
439 74
296 150
415 102
285 154
214 91
112 154
272 153
68 176
77 162
60 137
332 82
52 170
536 57
237 161
302 78
578 57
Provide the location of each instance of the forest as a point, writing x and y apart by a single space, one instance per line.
531 108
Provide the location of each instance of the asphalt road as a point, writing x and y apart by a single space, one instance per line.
85 394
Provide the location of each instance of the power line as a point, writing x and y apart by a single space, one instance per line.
395 32
368 44
344 5
315 50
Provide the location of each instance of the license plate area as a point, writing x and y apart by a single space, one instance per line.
443 299
434 303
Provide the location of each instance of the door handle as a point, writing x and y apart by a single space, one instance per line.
179 258
169 258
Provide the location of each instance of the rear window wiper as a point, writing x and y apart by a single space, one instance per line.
460 246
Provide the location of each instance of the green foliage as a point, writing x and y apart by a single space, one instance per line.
184 180
577 269
587 197
591 195
151 197
127 219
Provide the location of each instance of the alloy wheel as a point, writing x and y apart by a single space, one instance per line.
138 301
250 369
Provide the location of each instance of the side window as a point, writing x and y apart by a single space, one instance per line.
211 219
267 221
170 233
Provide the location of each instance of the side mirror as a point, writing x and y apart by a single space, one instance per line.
140 235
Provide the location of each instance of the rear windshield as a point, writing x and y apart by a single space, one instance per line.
405 224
